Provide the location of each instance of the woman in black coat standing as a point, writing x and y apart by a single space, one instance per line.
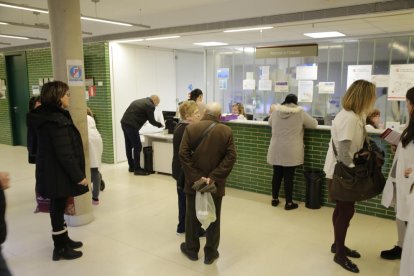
60 162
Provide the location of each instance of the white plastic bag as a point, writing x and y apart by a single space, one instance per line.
205 209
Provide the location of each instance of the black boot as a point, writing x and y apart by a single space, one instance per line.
71 243
62 249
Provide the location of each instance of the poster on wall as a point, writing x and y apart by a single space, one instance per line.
326 87
223 84
358 72
249 84
381 80
75 72
35 90
307 72
281 87
223 73
305 91
2 88
265 85
264 72
401 79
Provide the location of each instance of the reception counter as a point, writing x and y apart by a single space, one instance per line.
252 173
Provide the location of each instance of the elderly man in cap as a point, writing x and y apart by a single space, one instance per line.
206 156
138 112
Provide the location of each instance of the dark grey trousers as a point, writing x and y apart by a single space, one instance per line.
192 226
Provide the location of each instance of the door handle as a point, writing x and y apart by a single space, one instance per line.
15 108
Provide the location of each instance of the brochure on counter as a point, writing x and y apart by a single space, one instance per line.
391 136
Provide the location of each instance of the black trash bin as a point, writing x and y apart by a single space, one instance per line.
314 179
148 163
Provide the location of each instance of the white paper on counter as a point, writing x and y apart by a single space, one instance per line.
305 91
326 87
265 85
358 72
249 84
401 79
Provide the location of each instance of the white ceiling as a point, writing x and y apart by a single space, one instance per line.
163 14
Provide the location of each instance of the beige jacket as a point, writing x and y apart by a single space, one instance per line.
286 146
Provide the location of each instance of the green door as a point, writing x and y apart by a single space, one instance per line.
18 87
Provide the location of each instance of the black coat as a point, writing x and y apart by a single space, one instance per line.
3 227
138 112
176 163
31 142
60 161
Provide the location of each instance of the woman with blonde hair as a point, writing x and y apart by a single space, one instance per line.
238 109
347 134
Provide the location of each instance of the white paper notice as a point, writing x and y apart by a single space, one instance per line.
358 72
305 91
264 72
223 84
282 86
75 72
249 84
265 85
249 75
326 87
401 79
307 72
381 80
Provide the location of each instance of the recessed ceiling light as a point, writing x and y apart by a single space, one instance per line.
4 23
162 37
324 34
210 43
14 36
248 29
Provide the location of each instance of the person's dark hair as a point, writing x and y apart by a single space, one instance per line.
32 102
291 98
408 134
194 94
374 113
52 92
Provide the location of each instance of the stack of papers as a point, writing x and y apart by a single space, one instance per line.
391 136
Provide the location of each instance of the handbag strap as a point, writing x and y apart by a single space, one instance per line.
206 131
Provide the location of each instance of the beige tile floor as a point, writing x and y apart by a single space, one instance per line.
134 232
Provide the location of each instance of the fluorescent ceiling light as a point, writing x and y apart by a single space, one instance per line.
14 36
23 7
211 43
162 37
130 40
324 34
4 23
246 49
248 29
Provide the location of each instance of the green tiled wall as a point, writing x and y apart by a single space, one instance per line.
252 173
5 120
96 58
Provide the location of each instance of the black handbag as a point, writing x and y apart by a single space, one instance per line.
362 182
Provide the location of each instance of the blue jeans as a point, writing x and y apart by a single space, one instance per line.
132 143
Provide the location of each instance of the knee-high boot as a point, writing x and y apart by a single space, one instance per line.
71 243
62 250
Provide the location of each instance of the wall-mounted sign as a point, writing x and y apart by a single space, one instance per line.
358 72
306 50
307 72
401 79
249 84
75 72
223 73
326 87
282 86
305 91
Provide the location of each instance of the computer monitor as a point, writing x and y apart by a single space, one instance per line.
249 117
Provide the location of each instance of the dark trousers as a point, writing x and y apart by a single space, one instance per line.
181 209
342 215
4 270
132 143
57 212
192 228
287 174
96 178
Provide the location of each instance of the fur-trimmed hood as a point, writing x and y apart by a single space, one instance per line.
287 110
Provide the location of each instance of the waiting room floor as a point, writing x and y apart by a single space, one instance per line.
134 232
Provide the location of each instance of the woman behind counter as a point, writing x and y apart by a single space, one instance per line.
286 149
347 134
60 162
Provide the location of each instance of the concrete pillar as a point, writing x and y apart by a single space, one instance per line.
67 49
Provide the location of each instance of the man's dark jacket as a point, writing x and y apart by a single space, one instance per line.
138 112
60 161
214 157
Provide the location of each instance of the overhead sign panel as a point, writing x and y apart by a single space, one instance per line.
305 50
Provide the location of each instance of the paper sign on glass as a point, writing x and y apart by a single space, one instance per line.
282 86
223 73
249 84
265 85
401 79
264 72
326 87
307 72
249 75
223 84
305 91
381 80
358 72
